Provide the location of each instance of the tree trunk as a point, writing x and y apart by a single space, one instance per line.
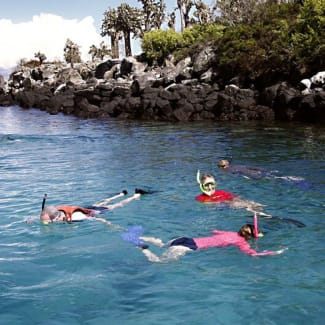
127 40
114 45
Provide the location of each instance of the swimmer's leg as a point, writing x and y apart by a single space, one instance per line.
151 256
175 252
172 253
121 203
109 199
245 204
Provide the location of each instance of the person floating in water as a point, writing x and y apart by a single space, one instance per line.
68 213
257 173
220 238
210 195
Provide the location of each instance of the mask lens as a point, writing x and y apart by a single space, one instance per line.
210 185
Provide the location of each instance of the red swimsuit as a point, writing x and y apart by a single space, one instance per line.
217 196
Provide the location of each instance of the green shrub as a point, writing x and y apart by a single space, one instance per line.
201 33
308 36
158 44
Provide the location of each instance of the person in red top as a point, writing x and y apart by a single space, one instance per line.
210 195
180 246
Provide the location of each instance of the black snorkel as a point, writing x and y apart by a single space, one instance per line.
44 200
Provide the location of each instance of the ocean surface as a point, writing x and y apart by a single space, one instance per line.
85 273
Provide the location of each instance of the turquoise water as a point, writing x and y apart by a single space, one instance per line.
84 273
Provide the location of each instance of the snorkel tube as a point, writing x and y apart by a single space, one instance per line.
255 226
44 200
256 233
198 179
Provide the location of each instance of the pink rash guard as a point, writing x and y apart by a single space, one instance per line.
226 238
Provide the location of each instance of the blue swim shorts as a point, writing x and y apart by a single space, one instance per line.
184 241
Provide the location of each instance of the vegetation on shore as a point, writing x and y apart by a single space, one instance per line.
260 41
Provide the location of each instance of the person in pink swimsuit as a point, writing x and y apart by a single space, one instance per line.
219 238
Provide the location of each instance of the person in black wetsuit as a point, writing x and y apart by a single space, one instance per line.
252 172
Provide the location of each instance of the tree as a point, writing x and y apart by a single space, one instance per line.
202 14
153 14
308 37
129 20
42 57
110 27
93 52
99 52
71 52
233 12
184 7
171 21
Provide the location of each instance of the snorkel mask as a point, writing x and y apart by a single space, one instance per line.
209 185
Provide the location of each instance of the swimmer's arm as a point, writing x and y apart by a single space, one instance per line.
264 253
153 240
30 220
106 222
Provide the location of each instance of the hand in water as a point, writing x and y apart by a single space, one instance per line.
280 251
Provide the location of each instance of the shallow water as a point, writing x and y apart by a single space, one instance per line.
84 273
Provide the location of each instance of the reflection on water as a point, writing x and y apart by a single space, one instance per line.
86 274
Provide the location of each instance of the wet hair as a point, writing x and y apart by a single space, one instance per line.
51 211
247 231
207 176
224 163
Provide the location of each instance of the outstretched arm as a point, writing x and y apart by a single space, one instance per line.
108 223
153 240
245 248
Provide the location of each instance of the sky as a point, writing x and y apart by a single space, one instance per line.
30 26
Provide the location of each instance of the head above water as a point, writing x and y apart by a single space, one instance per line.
207 183
247 231
49 214
223 163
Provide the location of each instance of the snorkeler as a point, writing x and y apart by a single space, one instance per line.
213 196
180 246
210 195
257 173
67 213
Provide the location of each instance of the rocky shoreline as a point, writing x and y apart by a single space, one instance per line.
186 91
